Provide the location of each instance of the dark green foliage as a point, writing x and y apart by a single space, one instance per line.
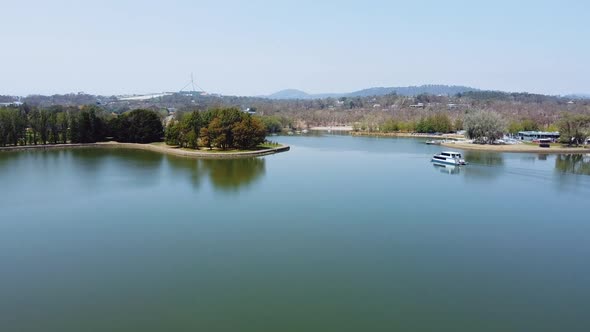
13 125
190 127
437 123
222 128
249 133
63 123
206 137
193 121
138 126
31 125
86 126
74 130
172 135
524 125
390 126
272 124
185 131
228 117
53 128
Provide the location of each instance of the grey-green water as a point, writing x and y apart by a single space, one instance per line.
339 234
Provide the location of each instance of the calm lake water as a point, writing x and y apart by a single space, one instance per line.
339 234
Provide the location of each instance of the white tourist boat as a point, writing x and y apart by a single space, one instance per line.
449 158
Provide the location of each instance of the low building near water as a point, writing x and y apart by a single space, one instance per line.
535 135
12 103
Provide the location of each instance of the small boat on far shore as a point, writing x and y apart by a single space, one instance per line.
449 157
433 142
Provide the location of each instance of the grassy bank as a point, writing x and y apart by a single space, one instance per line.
162 148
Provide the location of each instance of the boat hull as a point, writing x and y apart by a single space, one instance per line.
446 162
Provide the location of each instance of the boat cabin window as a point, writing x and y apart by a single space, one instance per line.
451 154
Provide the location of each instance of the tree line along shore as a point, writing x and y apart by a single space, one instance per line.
220 129
486 128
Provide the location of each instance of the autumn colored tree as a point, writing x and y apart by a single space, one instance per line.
249 133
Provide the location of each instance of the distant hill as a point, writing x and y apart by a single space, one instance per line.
290 94
431 89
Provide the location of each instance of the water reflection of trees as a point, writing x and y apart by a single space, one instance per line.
483 165
234 173
224 174
135 167
186 167
573 163
484 158
140 167
7 158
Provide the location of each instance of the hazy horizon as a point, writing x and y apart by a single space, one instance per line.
328 92
255 48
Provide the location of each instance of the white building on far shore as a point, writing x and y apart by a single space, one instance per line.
12 103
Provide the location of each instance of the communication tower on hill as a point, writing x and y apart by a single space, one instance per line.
193 86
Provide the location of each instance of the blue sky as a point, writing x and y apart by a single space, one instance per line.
259 47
